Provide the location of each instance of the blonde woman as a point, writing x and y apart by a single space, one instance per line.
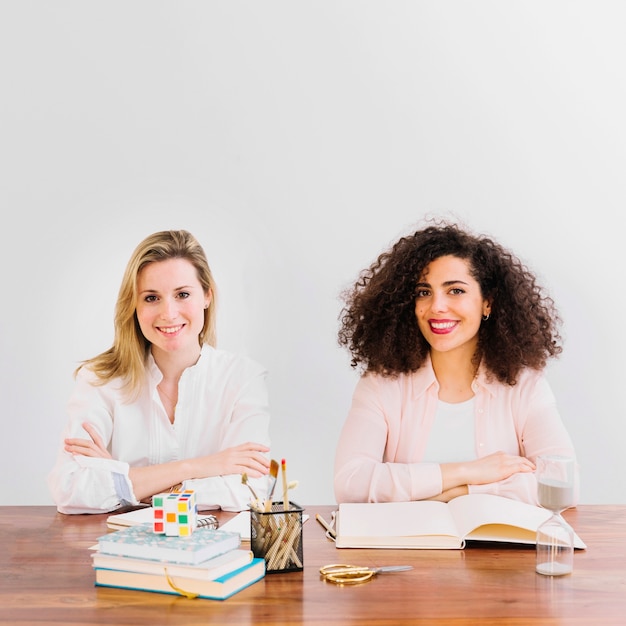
163 406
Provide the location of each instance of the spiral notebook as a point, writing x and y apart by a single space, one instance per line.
145 515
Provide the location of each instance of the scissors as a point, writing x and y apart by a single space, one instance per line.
342 574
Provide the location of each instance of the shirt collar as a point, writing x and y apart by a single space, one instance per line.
424 379
155 374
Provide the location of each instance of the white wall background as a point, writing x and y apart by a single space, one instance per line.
297 140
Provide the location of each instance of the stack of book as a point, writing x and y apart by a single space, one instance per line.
207 564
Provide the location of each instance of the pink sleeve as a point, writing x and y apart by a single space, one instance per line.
518 487
540 430
366 469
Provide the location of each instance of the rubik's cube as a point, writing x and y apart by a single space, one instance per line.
175 514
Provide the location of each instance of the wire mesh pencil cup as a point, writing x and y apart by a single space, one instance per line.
276 536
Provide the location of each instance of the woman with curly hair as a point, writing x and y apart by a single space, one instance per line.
451 334
163 408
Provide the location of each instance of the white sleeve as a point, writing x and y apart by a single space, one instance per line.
248 421
81 484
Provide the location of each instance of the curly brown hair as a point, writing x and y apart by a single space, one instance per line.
378 324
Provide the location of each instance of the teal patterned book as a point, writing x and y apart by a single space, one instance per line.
140 541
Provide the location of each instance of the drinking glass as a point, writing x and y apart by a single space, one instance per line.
555 538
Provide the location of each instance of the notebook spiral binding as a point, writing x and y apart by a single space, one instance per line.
210 521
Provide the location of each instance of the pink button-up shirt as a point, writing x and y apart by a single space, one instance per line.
382 443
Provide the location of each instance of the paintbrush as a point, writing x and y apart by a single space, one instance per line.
244 480
273 479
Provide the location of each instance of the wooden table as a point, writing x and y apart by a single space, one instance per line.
46 578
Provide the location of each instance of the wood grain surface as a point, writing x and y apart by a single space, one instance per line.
46 578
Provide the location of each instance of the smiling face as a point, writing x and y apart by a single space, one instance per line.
170 307
449 306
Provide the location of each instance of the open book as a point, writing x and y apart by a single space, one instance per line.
426 524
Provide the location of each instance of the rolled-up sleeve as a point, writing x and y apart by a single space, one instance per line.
247 420
531 407
373 462
81 484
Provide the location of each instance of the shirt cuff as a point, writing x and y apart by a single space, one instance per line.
425 480
119 476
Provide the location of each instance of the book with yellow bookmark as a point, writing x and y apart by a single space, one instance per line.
219 589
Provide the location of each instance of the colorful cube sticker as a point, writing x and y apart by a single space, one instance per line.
175 514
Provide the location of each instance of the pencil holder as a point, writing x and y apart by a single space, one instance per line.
276 536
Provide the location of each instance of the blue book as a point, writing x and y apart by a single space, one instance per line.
141 542
218 589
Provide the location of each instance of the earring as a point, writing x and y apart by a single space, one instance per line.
486 317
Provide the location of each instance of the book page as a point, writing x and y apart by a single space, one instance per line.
239 524
397 524
488 517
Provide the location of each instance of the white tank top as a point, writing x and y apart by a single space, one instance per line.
452 437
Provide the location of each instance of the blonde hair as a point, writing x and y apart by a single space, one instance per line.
126 359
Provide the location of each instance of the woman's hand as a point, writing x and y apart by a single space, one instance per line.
450 494
496 467
88 447
489 469
248 458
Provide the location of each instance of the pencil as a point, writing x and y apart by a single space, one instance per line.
285 490
326 525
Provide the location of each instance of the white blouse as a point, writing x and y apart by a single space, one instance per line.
453 433
222 402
